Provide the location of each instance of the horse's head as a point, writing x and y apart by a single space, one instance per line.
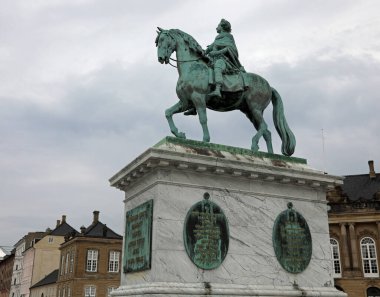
165 44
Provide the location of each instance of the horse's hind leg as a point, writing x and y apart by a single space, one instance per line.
176 108
256 117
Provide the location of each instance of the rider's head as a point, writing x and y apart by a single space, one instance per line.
226 26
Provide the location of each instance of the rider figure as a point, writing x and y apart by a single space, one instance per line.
224 58
224 55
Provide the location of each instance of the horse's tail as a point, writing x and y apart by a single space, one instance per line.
286 135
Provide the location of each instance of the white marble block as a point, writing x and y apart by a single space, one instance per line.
252 190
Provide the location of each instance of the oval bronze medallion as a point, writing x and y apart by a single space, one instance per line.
206 234
292 240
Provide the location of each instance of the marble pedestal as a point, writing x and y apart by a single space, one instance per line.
252 190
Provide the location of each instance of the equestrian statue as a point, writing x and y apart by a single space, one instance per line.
214 78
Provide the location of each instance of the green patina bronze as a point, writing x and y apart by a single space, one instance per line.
215 79
138 238
206 234
292 240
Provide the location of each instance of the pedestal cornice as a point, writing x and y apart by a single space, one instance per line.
214 158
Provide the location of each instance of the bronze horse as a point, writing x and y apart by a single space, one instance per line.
193 87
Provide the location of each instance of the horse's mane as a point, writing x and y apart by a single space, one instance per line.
189 40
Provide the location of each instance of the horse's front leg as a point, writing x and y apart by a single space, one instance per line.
199 102
176 108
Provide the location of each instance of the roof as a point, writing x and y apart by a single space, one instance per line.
98 229
10 256
31 236
6 249
47 280
63 229
6 252
361 187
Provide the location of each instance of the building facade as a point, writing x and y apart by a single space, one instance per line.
47 287
36 256
27 271
6 269
90 262
354 222
23 244
46 251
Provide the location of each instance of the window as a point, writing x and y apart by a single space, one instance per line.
72 261
373 292
92 261
62 264
334 246
90 291
68 292
369 258
109 290
67 263
63 292
113 265
50 240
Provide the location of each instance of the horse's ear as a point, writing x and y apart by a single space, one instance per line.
160 29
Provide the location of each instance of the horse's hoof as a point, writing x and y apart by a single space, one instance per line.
255 148
181 135
206 139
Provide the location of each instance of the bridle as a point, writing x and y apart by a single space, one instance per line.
178 61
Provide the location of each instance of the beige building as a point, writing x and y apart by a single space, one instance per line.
46 251
90 262
354 222
37 256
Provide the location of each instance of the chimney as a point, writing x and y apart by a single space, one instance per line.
96 216
82 229
63 219
58 223
372 173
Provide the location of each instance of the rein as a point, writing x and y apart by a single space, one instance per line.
178 61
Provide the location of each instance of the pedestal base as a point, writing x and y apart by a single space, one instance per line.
252 190
210 289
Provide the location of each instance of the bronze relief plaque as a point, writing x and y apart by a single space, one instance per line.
206 234
138 238
292 240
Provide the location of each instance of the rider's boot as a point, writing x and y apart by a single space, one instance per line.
218 83
216 92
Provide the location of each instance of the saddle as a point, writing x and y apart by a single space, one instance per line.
232 82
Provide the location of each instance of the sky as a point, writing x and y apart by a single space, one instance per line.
82 93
